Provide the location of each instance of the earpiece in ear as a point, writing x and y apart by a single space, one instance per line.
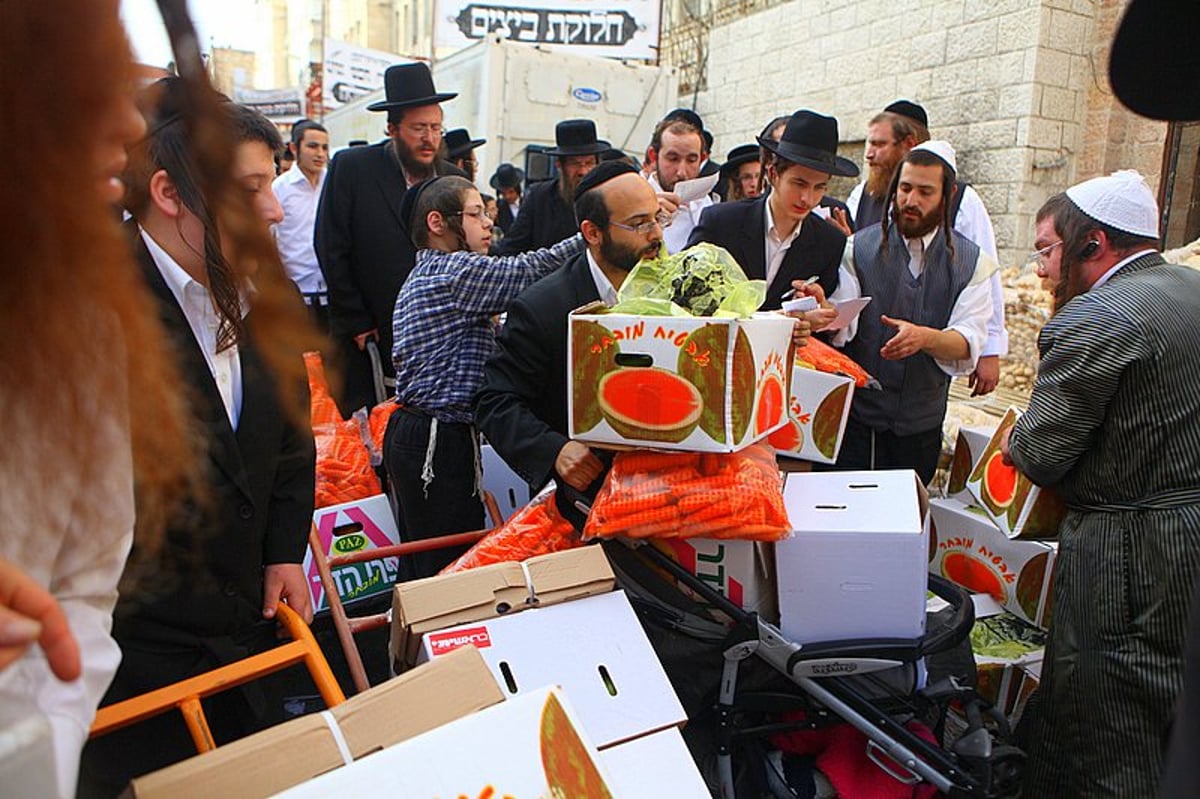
1089 249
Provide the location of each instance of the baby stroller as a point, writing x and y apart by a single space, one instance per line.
736 678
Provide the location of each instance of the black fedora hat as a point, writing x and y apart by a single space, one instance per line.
742 154
1152 69
408 86
459 143
576 137
811 139
507 176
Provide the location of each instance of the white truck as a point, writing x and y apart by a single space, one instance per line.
513 94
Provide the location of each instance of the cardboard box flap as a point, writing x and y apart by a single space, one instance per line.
858 502
288 754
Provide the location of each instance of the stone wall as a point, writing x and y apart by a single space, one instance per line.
1018 86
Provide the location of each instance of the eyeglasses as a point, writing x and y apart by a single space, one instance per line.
1040 256
661 219
422 128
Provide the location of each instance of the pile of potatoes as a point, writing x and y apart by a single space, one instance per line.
1026 309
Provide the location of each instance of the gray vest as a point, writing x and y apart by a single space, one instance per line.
913 399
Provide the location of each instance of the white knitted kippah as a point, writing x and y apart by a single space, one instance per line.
1121 200
941 149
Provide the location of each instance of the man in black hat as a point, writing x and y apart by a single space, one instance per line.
522 405
926 323
740 174
507 182
362 245
777 238
547 216
891 134
460 151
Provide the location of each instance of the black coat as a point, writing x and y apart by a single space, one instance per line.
740 227
504 216
544 221
522 405
258 510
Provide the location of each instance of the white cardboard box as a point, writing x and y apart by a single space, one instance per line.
696 383
351 527
655 766
968 549
1017 506
968 447
528 746
855 565
742 571
595 648
818 409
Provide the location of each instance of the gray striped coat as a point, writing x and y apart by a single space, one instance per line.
1114 426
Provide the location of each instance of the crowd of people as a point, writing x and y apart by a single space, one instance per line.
159 479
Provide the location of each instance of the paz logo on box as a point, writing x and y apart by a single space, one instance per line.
441 643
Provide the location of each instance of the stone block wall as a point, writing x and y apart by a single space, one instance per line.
1018 86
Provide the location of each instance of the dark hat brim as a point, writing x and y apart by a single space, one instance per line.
1152 71
462 150
594 148
732 164
811 157
389 105
518 175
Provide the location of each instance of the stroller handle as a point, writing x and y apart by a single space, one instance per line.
952 634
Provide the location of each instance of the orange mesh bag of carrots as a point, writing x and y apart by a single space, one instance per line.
536 529
816 354
691 495
344 472
322 409
378 421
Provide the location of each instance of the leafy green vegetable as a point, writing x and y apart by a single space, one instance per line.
1005 636
703 280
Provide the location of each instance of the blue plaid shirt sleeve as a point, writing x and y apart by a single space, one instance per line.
485 284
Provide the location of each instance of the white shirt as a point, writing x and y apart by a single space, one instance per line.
197 305
969 316
1100 281
679 229
294 235
604 287
514 209
974 223
776 247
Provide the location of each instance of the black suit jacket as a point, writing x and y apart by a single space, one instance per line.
522 405
544 221
504 216
740 227
257 512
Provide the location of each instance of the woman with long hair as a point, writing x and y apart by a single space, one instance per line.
88 394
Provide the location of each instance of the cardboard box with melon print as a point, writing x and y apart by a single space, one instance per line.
967 548
701 384
1018 507
818 408
969 445
527 746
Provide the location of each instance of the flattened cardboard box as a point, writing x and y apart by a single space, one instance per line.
422 606
1016 505
529 747
818 409
594 647
655 766
693 383
270 761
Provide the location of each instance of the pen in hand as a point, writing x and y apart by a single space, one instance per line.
787 295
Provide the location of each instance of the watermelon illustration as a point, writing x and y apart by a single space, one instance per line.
973 574
770 404
960 466
570 771
651 404
703 359
789 438
594 350
1029 584
827 421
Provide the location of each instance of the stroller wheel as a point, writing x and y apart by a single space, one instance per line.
1007 766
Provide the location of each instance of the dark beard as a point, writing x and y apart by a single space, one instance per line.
1067 287
915 229
414 170
622 257
878 182
566 189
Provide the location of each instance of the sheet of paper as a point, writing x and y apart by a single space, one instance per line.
692 190
847 312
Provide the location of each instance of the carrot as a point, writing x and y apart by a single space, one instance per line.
649 461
